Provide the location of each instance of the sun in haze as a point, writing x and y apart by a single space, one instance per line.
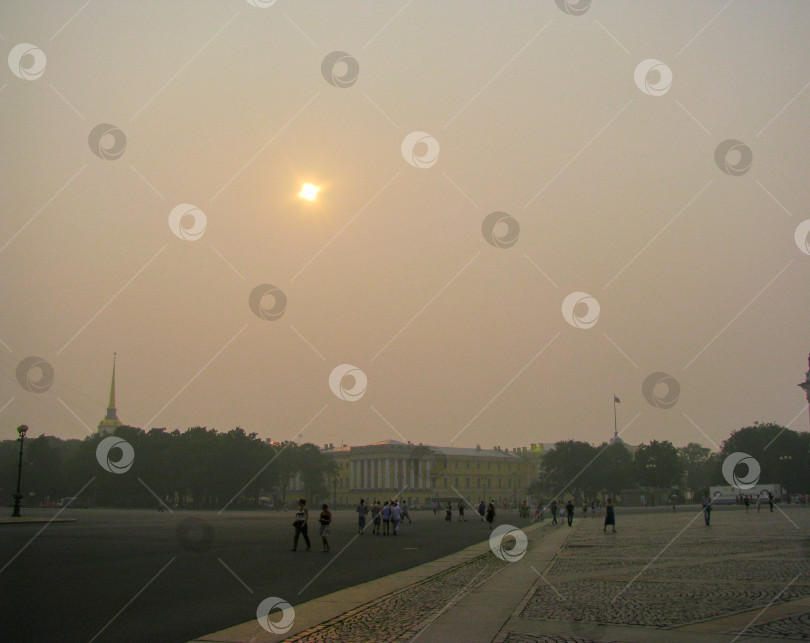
309 191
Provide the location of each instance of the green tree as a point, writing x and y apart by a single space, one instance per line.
567 468
658 465
613 469
696 461
782 454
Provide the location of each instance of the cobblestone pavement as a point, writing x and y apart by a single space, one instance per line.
385 618
663 576
663 572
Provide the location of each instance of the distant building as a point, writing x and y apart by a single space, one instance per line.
422 474
110 421
617 440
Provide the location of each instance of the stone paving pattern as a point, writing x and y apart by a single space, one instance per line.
660 572
739 563
384 619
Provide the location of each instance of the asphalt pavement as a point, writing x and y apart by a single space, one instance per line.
137 575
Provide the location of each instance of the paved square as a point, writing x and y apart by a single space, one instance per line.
663 576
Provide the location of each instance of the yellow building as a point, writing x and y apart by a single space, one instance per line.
422 474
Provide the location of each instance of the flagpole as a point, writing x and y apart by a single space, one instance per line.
615 425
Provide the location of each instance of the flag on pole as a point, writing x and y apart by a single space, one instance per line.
616 399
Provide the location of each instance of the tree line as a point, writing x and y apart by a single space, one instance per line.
585 471
203 468
199 468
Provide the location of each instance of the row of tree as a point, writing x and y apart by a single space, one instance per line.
197 468
204 468
585 470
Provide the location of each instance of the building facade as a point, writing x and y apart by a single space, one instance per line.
422 474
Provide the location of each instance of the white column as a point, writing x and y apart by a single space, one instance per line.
364 465
387 473
379 473
351 474
412 472
396 475
427 473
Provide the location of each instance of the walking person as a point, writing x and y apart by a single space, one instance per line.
585 509
362 511
435 508
553 512
386 517
707 507
405 513
461 511
491 513
376 510
569 512
396 517
448 512
593 508
672 502
482 509
770 501
325 519
746 502
300 524
610 516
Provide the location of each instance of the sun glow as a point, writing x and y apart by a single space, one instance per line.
309 191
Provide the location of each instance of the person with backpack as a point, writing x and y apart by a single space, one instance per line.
300 524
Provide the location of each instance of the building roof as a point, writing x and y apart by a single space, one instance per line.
478 453
448 451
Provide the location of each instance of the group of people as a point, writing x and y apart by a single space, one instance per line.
389 515
302 528
485 511
743 499
566 512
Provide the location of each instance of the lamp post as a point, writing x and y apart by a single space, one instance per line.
785 460
806 384
22 430
650 474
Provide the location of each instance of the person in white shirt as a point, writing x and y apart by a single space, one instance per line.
396 517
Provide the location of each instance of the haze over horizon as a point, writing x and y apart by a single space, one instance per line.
650 156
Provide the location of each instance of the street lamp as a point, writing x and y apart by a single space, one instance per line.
650 473
22 430
806 384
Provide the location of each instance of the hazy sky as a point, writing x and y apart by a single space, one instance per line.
600 136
